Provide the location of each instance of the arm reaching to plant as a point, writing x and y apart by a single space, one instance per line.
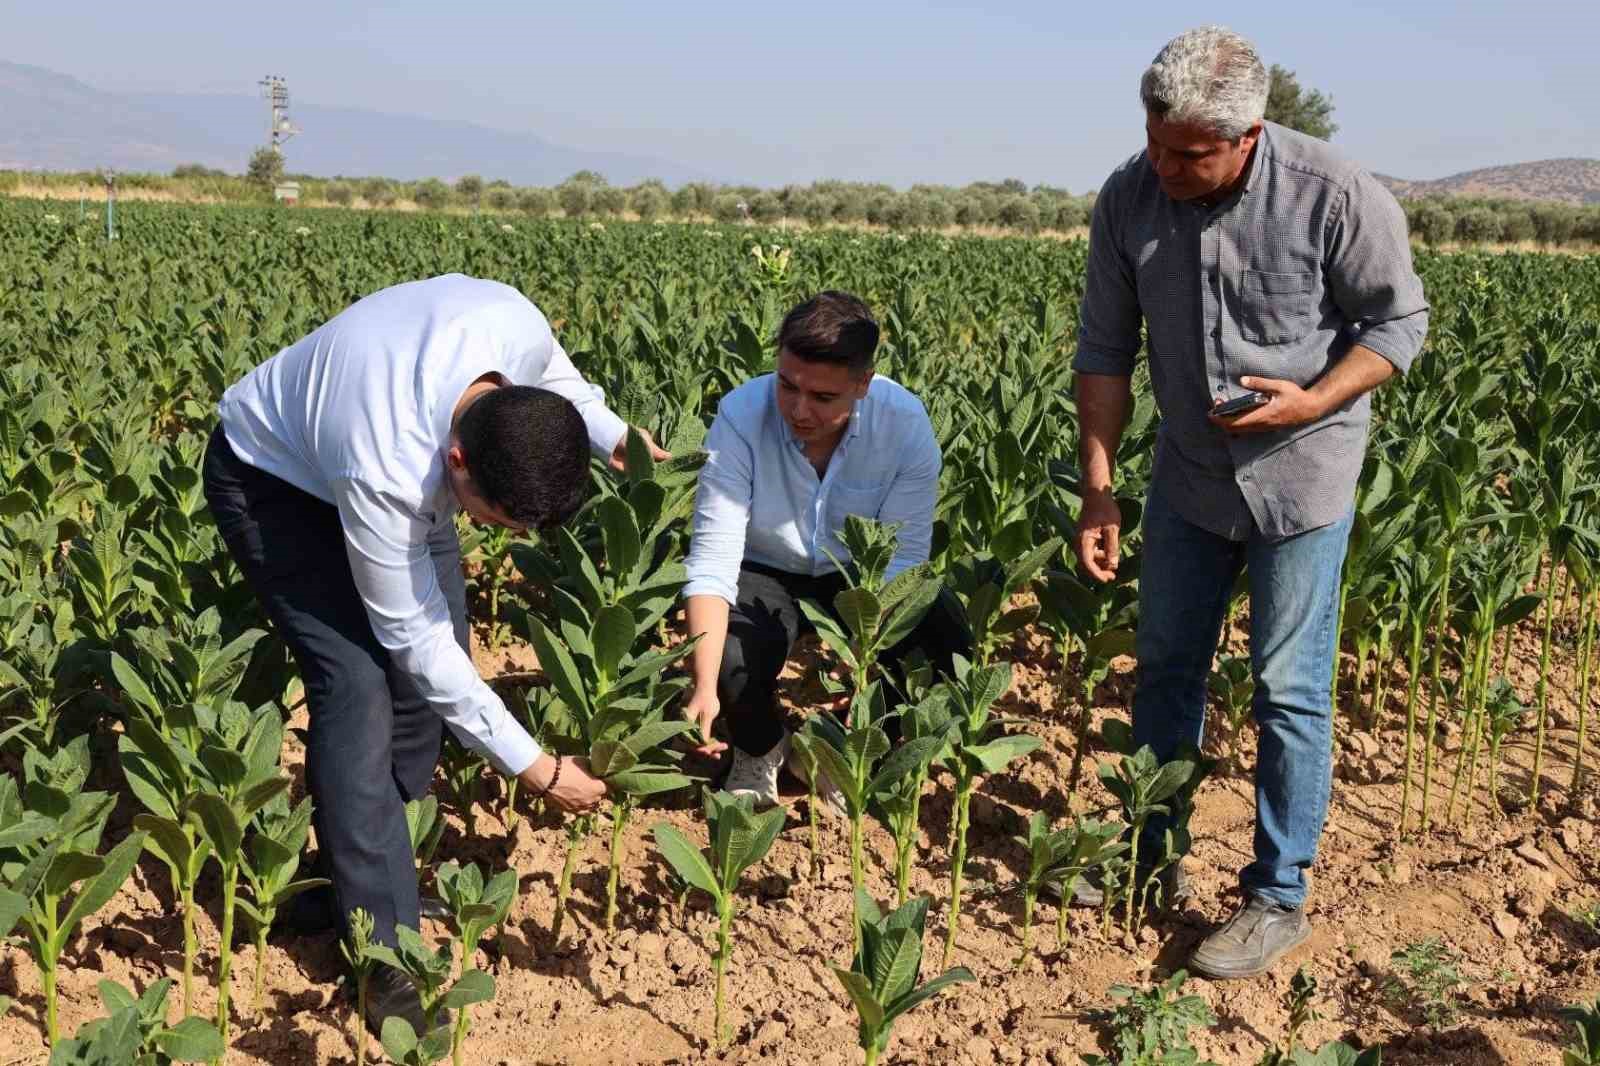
1102 413
708 619
573 789
716 548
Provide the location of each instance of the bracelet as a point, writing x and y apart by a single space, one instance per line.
553 778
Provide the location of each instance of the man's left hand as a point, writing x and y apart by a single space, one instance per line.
1289 406
619 454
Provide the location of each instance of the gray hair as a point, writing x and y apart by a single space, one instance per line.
1208 77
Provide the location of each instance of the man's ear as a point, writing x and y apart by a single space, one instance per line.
865 382
454 457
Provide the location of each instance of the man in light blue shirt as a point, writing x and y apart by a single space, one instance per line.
791 454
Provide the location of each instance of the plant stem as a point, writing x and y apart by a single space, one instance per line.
1081 735
811 824
1411 720
1585 672
1029 895
857 879
958 861
511 802
1544 689
619 822
230 881
1135 831
47 980
872 1053
261 967
1430 737
186 891
576 831
724 950
458 1035
1470 719
1380 681
904 845
1069 888
361 1018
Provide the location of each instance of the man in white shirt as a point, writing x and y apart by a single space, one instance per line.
790 455
334 478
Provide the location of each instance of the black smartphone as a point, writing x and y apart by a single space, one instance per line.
1240 404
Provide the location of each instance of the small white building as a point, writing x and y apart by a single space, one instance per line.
287 191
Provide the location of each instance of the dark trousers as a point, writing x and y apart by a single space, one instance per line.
763 627
373 742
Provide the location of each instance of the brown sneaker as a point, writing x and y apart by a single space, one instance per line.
1259 934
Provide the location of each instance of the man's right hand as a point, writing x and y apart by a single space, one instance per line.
576 792
1099 527
702 709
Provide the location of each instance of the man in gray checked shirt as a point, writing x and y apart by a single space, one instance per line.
1260 261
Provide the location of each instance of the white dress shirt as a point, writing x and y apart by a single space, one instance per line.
358 414
760 499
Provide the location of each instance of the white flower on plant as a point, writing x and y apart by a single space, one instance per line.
597 225
52 219
302 231
506 227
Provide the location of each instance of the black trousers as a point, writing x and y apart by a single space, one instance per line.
373 741
763 627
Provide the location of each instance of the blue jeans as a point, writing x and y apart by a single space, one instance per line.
1185 577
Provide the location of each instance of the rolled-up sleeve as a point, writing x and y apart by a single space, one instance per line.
606 430
1370 275
1108 334
721 513
913 496
387 543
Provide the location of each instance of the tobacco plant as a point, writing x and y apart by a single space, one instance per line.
135 1031
740 838
1058 859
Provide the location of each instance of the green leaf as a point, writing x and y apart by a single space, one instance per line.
687 860
609 757
612 637
997 754
474 986
220 825
868 1008
97 893
558 667
621 536
648 783
133 685
894 970
654 734
165 838
434 1046
399 1039
912 999
191 1040
859 609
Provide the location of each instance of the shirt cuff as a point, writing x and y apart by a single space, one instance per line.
606 430
1397 341
1092 360
712 586
512 750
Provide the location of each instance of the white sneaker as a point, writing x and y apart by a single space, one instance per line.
829 798
757 775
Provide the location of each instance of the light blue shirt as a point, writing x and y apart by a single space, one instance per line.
760 499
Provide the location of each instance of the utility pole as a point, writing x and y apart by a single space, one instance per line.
279 129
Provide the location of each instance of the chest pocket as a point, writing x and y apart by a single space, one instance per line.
1275 308
861 500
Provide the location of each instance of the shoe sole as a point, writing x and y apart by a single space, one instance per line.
1223 973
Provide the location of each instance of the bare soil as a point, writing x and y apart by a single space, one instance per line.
1498 889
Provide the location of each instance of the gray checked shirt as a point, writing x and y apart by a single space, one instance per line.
1277 281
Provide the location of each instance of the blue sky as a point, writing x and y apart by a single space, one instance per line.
897 92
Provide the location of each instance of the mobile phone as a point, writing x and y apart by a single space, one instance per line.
1248 401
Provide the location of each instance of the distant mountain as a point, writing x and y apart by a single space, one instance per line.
1572 181
56 122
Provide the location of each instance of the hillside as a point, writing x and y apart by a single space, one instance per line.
56 122
1572 181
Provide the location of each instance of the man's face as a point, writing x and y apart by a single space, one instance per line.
467 495
1193 162
815 399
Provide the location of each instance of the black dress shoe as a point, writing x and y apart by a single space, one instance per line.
309 913
435 908
390 993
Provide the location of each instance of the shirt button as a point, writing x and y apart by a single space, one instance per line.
1216 331
1222 388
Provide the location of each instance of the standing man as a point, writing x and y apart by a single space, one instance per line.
334 478
1262 262
792 454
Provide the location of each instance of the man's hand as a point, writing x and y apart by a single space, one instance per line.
619 454
702 709
576 792
1099 528
1289 406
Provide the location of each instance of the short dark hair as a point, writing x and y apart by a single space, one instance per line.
527 452
831 327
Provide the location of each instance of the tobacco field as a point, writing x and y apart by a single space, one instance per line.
153 812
